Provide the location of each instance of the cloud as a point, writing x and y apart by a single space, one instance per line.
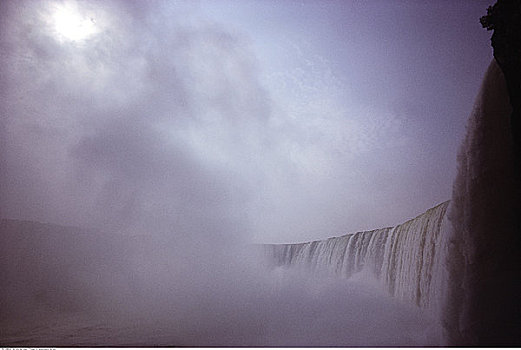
136 124
162 113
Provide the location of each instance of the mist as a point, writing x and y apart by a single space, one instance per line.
143 155
172 114
68 287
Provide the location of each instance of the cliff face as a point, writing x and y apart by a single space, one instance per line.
504 18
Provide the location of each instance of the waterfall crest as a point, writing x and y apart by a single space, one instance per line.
402 257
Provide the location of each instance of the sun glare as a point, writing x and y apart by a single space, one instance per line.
71 24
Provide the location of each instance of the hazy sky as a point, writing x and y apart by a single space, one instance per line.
273 121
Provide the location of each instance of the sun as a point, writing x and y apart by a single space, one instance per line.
71 23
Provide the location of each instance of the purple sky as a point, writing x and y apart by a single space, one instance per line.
272 121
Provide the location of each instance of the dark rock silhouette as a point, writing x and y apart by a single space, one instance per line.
504 18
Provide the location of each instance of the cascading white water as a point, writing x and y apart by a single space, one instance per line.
402 257
463 266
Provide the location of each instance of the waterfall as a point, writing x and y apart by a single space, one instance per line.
402 257
482 305
460 259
